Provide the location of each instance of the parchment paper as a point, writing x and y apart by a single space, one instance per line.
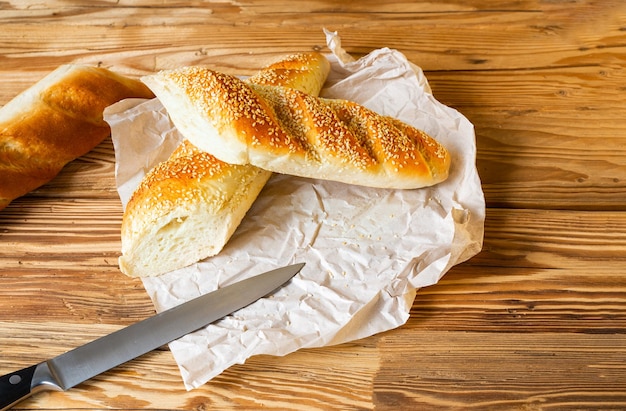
366 250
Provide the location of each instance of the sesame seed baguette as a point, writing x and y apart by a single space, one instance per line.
287 131
187 207
53 122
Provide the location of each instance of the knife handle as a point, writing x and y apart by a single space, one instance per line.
19 385
15 387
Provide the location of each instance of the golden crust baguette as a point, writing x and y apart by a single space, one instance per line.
187 207
286 131
55 121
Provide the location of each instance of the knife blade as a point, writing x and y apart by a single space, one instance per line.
82 363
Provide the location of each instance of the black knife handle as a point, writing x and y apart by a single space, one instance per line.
15 387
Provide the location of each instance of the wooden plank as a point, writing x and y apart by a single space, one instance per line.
465 370
454 37
551 281
526 300
549 144
553 251
404 369
552 238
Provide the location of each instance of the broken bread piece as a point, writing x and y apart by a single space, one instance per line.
187 207
184 210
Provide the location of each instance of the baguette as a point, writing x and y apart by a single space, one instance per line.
287 131
187 207
55 121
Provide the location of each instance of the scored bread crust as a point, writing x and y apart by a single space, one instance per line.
187 207
53 122
286 131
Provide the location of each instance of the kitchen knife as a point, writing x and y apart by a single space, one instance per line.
80 364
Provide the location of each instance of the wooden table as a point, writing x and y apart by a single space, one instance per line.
536 321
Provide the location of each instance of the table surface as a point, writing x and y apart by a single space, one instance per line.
535 321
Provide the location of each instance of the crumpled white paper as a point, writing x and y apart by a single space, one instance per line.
366 250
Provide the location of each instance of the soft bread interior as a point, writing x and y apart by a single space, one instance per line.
191 228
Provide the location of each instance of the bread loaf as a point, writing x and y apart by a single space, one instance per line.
287 131
55 121
187 207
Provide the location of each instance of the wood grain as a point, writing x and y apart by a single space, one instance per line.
536 321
